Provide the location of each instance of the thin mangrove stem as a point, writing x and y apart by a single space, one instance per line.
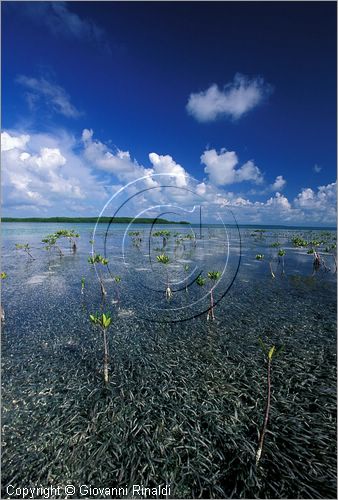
103 290
211 310
105 357
31 256
266 417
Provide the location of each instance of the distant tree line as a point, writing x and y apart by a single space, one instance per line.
113 220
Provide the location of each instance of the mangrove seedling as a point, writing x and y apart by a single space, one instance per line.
103 322
259 256
213 276
299 242
26 248
269 354
71 235
164 259
82 285
258 233
98 259
317 259
51 243
200 281
164 233
281 255
135 238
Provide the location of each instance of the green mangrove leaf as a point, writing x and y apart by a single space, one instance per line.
200 281
214 275
163 259
271 352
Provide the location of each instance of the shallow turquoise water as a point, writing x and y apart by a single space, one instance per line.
52 358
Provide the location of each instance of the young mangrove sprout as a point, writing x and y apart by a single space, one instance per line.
103 322
98 259
269 354
299 242
281 255
82 285
71 235
51 243
135 238
318 260
200 281
258 233
164 233
213 276
164 259
26 248
259 256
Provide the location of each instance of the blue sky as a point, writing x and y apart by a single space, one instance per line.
239 95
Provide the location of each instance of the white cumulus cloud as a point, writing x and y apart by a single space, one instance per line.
118 163
222 170
9 142
49 174
234 100
279 183
164 164
324 199
41 171
279 201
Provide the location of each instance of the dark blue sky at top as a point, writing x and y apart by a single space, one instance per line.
134 84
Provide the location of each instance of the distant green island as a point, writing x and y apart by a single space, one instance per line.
113 220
